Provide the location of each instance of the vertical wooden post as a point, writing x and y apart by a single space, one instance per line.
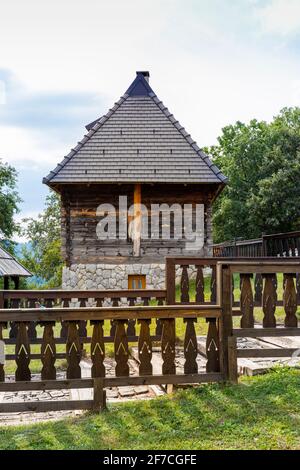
213 284
1 299
98 349
137 219
170 281
48 352
22 353
6 287
2 373
121 349
190 347
212 347
290 301
6 283
184 285
168 346
269 301
232 360
199 284
16 280
99 395
225 324
247 304
145 348
73 351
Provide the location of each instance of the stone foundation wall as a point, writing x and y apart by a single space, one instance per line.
111 276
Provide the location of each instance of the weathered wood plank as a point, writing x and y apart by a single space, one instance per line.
48 352
267 352
246 302
269 301
99 402
168 346
22 353
98 349
190 347
73 351
232 360
44 406
121 349
212 347
265 332
290 301
145 348
108 313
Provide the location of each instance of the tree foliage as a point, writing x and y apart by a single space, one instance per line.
262 163
42 255
9 200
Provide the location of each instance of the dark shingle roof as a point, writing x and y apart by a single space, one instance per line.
138 140
9 266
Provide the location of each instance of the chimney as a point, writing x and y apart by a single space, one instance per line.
145 74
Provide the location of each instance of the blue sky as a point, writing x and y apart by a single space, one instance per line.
64 63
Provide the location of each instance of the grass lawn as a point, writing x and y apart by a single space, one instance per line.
260 413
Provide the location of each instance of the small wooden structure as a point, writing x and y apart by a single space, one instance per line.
10 268
138 150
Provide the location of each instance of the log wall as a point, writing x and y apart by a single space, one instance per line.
80 244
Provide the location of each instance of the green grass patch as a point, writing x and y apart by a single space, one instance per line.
260 413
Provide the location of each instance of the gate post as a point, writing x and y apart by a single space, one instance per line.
225 322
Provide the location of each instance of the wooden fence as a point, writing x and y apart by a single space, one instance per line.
274 245
218 290
48 318
270 271
80 298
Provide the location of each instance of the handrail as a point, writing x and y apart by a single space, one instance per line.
109 313
73 294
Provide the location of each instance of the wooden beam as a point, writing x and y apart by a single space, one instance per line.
137 219
109 313
267 352
265 332
112 382
78 294
44 406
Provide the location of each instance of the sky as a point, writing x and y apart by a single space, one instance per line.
64 63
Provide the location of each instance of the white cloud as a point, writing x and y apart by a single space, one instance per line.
26 147
280 17
206 60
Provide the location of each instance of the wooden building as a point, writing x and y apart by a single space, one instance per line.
11 270
138 150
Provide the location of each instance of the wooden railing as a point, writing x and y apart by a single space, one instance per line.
270 270
198 279
222 291
239 249
274 245
282 244
200 287
82 298
49 318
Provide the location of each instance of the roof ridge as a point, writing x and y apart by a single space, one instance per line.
188 138
96 125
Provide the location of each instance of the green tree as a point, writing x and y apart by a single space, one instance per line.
42 255
9 200
262 163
